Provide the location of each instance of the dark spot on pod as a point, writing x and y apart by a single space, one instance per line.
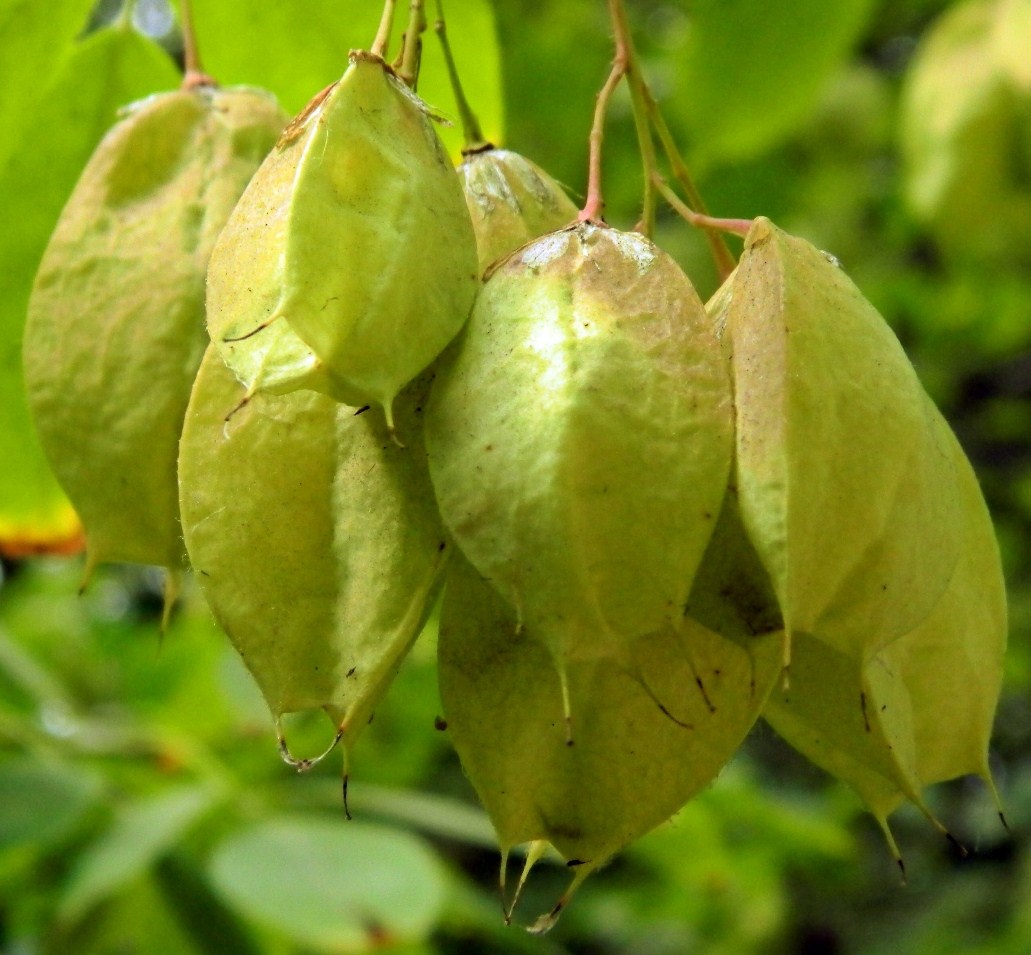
439 724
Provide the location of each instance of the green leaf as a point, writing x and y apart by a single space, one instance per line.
331 885
295 49
43 802
212 928
34 39
140 835
751 71
104 72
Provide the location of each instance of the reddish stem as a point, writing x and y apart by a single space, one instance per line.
194 75
594 207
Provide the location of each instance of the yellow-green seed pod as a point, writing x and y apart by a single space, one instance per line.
732 593
920 711
116 319
511 201
579 437
846 487
350 261
315 539
632 766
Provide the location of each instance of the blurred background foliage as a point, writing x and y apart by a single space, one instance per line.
142 806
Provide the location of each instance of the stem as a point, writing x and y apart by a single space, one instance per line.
721 254
194 75
700 219
636 82
474 140
647 116
124 19
412 54
595 206
386 23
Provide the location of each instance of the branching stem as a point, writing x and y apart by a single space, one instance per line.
646 118
411 55
626 50
721 254
700 219
471 130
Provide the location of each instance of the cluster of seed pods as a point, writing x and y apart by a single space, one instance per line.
652 521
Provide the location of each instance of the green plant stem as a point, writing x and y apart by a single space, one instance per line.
194 75
411 55
386 24
594 207
721 254
647 116
700 219
635 80
124 20
471 130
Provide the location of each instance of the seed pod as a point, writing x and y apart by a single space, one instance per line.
846 487
116 319
579 438
632 766
880 724
511 201
315 539
732 593
350 261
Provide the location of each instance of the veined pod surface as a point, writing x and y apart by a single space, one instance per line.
632 766
315 539
350 261
846 485
116 319
920 711
511 201
579 438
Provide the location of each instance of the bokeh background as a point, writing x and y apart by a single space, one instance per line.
143 808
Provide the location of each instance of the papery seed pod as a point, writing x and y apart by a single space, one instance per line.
631 766
732 593
350 261
116 319
920 711
315 539
579 438
511 201
846 486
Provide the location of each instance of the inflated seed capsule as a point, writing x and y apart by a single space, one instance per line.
632 766
579 438
920 710
846 487
350 261
315 539
511 201
116 319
